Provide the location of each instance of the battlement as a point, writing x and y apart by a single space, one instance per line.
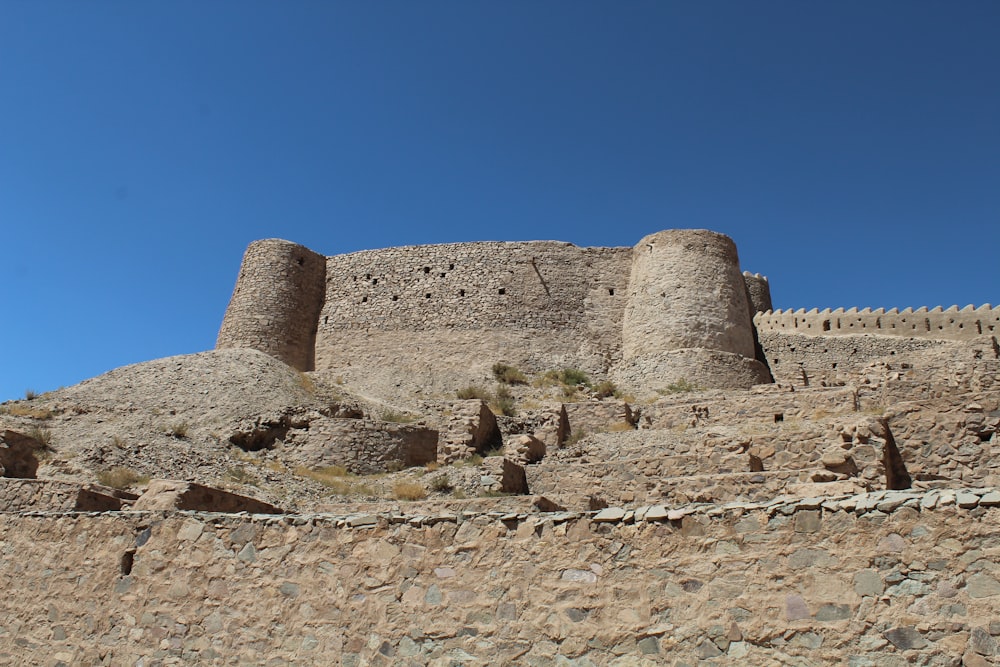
935 323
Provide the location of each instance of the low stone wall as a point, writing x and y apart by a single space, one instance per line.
893 578
20 495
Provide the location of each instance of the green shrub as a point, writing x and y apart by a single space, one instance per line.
441 484
570 377
682 386
574 376
508 374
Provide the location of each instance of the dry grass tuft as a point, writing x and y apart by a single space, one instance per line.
121 477
409 491
30 411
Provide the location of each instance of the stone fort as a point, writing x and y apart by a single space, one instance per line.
675 307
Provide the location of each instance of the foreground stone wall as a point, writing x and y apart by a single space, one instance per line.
895 578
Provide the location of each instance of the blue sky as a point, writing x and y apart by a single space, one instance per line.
851 149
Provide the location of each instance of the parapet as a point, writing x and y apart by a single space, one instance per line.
937 323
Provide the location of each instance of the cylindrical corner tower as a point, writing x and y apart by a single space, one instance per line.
758 291
687 317
276 303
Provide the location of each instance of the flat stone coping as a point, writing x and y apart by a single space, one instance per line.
872 504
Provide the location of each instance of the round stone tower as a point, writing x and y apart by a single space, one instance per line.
276 303
759 292
687 319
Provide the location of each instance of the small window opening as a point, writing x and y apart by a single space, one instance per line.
779 417
128 559
299 261
364 299
368 276
451 267
443 275
611 291
374 281
326 318
461 292
395 297
502 290
427 296
427 269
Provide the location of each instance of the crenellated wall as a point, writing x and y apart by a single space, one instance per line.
937 323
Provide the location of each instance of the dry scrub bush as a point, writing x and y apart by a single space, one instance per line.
470 392
29 411
335 478
120 477
503 401
508 374
409 491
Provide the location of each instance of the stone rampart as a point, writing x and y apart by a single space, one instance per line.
427 311
275 305
892 578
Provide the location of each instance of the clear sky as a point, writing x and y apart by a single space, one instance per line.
851 149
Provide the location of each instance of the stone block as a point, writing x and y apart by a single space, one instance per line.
163 494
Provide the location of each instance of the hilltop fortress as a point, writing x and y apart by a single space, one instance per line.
344 484
674 308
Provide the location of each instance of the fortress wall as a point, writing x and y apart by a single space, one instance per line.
443 309
936 323
832 582
275 305
687 315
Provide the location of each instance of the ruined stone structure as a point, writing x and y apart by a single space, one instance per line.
538 304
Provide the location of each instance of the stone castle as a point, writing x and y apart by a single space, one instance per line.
674 308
